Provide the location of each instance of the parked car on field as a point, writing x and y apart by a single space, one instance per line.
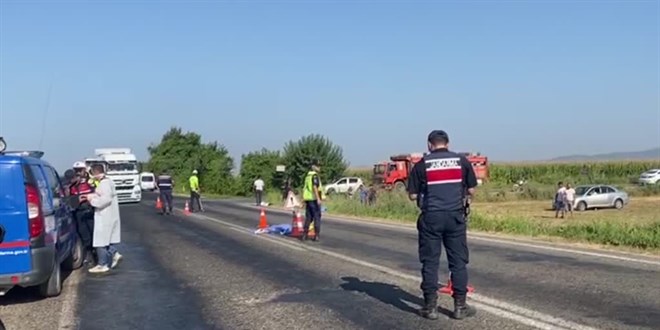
343 185
38 234
599 196
650 177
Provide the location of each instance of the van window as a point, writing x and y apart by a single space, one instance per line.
54 182
353 180
42 186
147 178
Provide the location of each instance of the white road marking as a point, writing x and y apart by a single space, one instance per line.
497 307
404 227
68 319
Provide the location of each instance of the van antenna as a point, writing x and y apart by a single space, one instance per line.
45 115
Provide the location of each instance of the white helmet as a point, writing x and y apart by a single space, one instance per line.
194 171
79 165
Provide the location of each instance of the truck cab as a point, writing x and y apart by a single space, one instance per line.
120 166
394 173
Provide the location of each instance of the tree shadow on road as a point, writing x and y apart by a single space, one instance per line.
387 293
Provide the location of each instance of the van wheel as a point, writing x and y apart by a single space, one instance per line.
77 257
618 204
581 206
52 287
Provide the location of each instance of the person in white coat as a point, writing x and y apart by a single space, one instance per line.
107 224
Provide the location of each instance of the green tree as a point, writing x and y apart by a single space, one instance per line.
299 154
259 163
180 153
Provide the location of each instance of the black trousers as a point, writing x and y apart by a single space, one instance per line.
449 229
312 213
194 201
258 194
85 225
166 196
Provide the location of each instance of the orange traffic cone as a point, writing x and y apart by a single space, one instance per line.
296 225
159 203
449 288
186 209
262 220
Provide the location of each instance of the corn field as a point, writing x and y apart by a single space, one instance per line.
595 172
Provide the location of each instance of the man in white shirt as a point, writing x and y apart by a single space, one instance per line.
560 200
570 198
258 190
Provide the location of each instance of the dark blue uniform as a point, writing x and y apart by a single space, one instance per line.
164 183
440 181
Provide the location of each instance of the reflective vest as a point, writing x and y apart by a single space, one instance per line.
308 188
445 189
194 183
94 182
164 182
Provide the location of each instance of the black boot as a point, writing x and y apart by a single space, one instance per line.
430 309
461 308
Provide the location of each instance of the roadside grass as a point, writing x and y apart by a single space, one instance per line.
204 195
636 226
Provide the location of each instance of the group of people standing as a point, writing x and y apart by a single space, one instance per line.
564 199
165 186
96 211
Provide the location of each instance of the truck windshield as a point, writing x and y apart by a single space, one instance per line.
379 169
122 167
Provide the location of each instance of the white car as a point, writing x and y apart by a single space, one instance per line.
342 185
147 181
650 177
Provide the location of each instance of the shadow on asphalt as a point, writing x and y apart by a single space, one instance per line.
19 295
388 294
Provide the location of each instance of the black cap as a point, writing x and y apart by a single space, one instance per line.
69 174
438 134
315 162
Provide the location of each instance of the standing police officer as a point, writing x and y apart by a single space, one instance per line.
83 211
165 183
194 192
439 183
312 195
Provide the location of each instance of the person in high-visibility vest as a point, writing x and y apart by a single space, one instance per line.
313 197
194 192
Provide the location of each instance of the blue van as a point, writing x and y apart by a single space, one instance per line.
38 234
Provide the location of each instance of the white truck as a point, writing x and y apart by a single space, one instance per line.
120 166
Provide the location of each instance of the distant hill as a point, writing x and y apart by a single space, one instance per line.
650 154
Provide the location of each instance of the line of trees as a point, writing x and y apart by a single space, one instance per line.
179 153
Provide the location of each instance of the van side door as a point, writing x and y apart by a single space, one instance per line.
63 217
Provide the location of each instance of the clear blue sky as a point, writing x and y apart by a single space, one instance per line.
516 80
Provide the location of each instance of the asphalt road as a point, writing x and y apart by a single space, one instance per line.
595 291
210 271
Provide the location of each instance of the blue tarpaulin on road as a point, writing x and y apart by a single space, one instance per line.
284 229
